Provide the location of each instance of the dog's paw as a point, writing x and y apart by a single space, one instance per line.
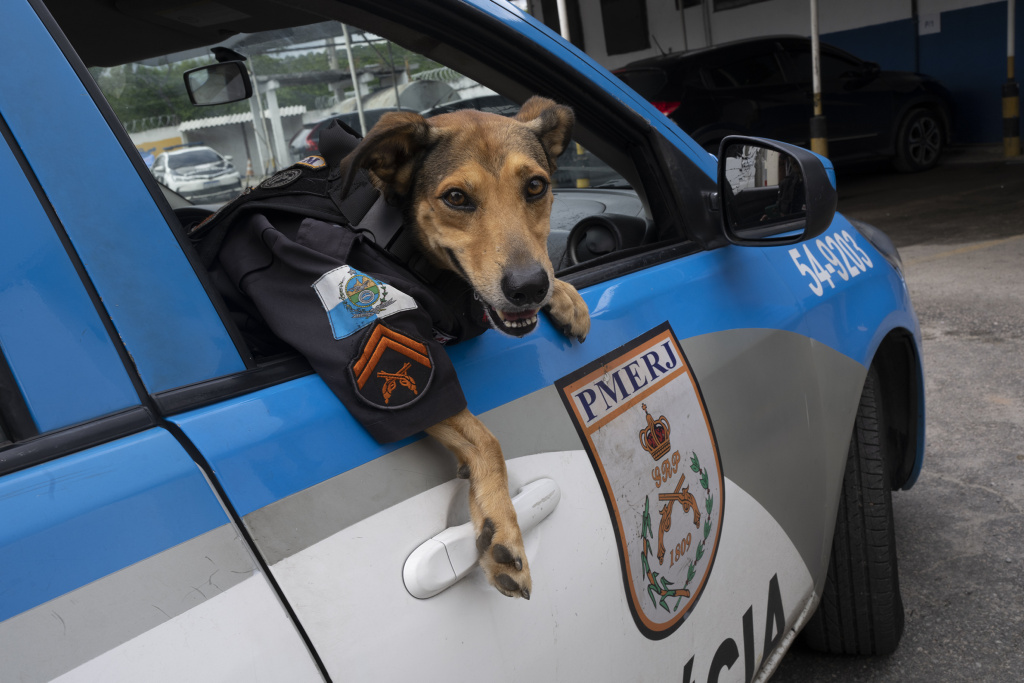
568 311
503 560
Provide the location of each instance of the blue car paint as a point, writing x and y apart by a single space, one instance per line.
79 518
269 444
50 332
149 289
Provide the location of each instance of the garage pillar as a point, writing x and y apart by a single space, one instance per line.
1011 93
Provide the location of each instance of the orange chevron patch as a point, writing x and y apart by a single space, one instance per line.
381 339
393 369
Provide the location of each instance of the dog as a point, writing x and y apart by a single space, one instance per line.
475 189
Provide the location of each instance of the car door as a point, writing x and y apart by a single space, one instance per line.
117 559
773 372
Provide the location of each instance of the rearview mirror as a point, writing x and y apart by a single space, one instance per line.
218 83
773 193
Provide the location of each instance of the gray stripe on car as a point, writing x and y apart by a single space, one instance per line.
782 436
782 406
59 635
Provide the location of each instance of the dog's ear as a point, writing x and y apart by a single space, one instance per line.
551 122
389 152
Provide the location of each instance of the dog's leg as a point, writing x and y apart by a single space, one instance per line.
568 310
498 538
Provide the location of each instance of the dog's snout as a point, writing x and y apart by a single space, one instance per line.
525 285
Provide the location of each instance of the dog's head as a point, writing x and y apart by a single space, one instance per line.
476 188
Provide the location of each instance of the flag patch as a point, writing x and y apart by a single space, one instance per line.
353 300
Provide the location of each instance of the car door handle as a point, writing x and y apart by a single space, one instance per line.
447 557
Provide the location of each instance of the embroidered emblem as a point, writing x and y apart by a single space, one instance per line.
612 402
363 295
393 379
392 369
311 162
353 300
285 177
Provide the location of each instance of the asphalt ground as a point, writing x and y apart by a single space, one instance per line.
960 530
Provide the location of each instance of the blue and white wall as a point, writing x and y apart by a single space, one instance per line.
962 43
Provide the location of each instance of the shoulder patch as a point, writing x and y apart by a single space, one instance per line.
312 162
392 370
353 300
281 179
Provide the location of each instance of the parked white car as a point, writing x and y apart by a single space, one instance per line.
198 173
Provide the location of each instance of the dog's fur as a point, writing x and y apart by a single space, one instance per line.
476 190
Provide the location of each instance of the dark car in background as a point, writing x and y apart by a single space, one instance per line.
763 87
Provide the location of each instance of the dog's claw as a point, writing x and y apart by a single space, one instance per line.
582 338
463 472
525 593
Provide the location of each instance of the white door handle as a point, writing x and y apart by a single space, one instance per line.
447 557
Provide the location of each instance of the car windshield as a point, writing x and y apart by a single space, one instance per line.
302 77
193 157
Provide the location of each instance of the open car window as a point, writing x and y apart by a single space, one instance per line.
304 76
303 79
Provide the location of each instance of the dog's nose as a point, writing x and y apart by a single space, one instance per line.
525 285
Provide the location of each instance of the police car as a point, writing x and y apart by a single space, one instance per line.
705 478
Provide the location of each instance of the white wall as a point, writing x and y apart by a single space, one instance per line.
666 23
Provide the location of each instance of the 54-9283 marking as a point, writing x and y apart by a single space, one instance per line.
842 255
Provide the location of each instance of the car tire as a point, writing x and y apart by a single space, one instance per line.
861 609
919 142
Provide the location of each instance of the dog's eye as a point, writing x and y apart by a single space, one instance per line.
536 187
456 199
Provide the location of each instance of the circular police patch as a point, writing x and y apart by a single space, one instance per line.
286 177
392 369
361 292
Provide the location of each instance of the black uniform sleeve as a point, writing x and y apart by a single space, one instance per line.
365 333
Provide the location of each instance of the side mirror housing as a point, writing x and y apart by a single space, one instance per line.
218 83
773 193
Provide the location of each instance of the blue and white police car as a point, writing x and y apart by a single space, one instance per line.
702 481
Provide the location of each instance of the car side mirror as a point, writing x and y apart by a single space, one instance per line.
218 83
773 193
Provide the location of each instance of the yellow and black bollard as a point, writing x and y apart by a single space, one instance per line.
1011 119
819 135
1011 93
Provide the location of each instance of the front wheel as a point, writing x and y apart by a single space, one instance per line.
919 143
861 610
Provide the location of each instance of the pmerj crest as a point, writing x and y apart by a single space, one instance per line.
646 428
363 295
654 439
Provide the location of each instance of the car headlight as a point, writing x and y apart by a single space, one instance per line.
880 241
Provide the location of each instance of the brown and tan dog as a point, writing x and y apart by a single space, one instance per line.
476 190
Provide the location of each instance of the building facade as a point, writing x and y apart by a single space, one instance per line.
962 43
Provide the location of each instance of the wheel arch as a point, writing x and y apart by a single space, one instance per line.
902 393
